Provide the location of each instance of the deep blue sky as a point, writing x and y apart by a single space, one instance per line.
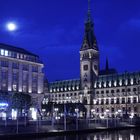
54 30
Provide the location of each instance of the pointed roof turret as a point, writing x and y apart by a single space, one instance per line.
107 65
89 37
89 11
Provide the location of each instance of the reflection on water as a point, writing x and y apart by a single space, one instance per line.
133 134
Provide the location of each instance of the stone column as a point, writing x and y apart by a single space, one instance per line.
20 78
30 79
0 75
10 76
40 83
88 107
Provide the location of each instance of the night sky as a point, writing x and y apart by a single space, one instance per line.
54 29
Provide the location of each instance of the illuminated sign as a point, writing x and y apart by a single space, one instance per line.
3 105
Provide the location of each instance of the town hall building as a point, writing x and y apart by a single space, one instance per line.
101 91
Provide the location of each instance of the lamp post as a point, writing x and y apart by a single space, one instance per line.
93 113
116 114
107 111
52 114
126 113
65 120
56 113
76 110
138 92
131 117
17 123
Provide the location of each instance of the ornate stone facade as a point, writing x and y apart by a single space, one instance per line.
102 92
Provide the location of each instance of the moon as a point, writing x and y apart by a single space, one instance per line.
11 26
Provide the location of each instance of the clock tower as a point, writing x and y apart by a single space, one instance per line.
89 61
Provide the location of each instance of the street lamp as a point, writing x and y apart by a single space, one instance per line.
131 117
106 112
93 113
116 114
119 112
76 110
56 113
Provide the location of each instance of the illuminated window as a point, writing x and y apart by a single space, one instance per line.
73 88
6 53
61 89
58 89
4 86
77 87
9 53
24 88
115 83
17 55
14 87
2 52
109 83
21 56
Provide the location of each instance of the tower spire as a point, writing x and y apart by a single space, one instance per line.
89 37
89 10
107 64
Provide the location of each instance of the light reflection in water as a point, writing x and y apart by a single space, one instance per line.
132 134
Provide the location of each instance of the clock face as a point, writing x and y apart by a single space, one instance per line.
85 67
95 67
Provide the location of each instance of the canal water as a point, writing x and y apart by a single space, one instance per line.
132 134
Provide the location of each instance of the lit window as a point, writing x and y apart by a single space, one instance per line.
17 55
126 82
95 85
69 88
9 53
24 88
2 52
21 56
104 84
115 83
100 85
73 88
6 53
120 82
14 87
109 83
131 81
61 89
77 88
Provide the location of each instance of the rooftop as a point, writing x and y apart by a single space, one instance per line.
15 49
